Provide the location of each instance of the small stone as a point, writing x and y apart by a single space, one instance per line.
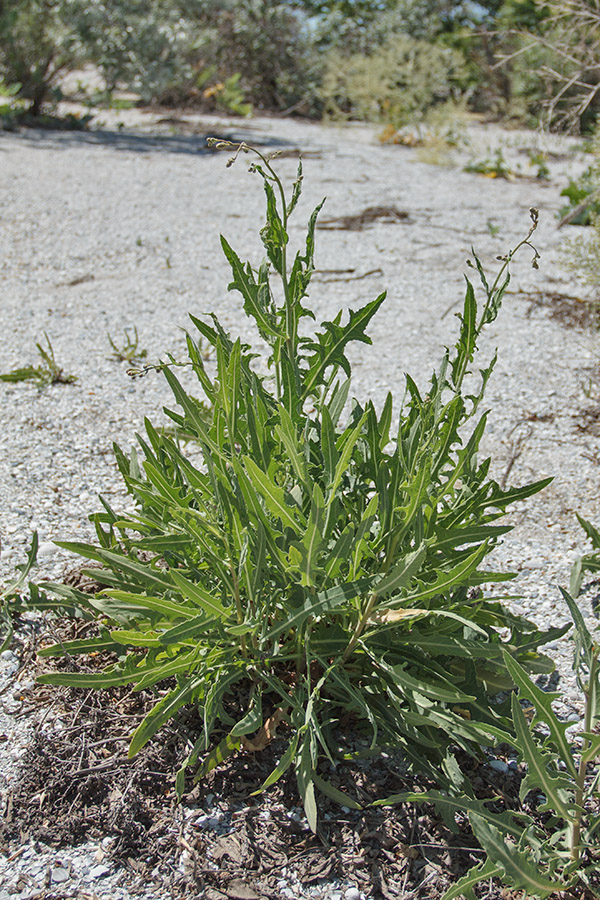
59 875
46 548
499 765
352 894
8 655
99 871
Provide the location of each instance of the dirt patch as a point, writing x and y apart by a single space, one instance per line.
388 215
570 311
588 421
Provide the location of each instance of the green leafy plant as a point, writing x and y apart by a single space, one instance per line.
589 562
539 160
319 567
48 372
130 350
492 166
226 95
11 107
583 197
14 600
554 845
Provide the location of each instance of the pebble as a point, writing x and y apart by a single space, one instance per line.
352 894
46 549
499 765
59 875
99 871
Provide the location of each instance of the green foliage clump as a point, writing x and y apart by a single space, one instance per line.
46 373
577 193
493 166
130 350
322 565
589 562
36 47
11 106
549 844
396 83
270 48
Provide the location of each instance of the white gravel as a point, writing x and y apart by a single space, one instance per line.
106 231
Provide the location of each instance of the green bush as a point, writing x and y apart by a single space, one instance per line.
36 47
320 565
396 83
268 45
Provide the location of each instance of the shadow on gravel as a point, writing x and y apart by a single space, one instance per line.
142 143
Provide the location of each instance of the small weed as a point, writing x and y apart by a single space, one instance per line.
583 198
493 229
48 372
492 166
129 351
12 602
538 159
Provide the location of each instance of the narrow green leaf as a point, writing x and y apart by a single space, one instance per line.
334 793
164 710
554 786
89 645
243 281
193 591
281 767
252 721
451 806
188 631
135 638
168 608
445 581
118 562
217 755
346 449
542 701
317 604
521 873
274 497
484 871
401 572
83 680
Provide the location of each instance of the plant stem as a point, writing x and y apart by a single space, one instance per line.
575 834
238 607
360 627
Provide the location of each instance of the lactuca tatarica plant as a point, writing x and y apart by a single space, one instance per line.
319 563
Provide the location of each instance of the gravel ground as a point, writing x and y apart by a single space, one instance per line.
119 228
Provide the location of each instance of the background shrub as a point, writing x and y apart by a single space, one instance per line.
397 83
